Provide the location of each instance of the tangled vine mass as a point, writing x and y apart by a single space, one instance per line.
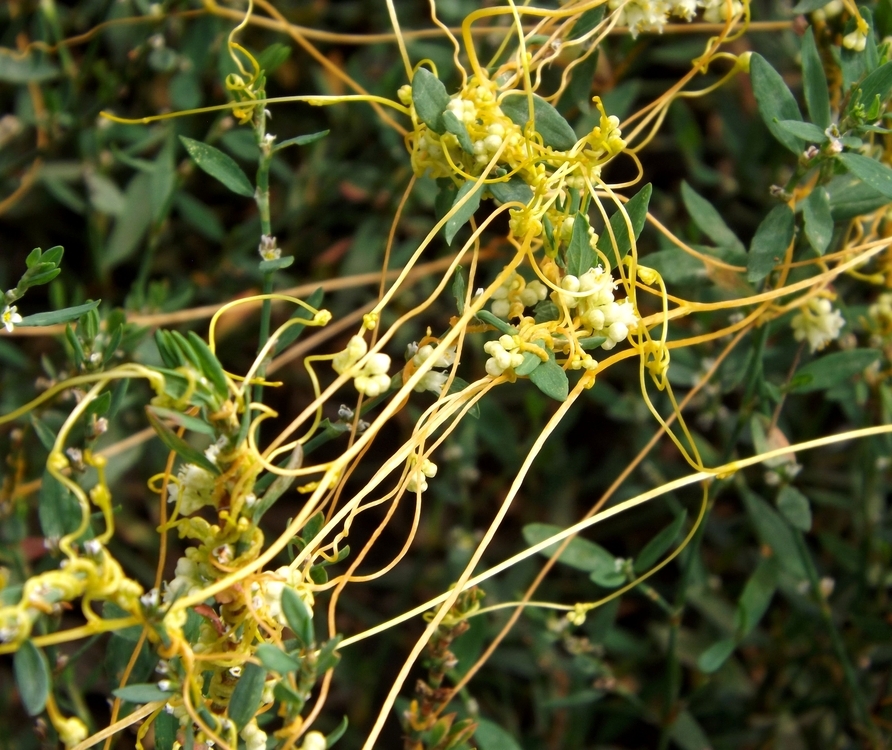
533 258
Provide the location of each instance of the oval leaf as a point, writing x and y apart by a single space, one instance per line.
655 548
817 97
514 189
636 208
580 553
716 655
772 238
457 128
551 379
59 316
870 172
832 369
219 165
147 692
547 121
490 736
276 660
32 675
708 219
818 220
775 101
794 506
804 130
246 696
430 98
298 615
465 211
580 256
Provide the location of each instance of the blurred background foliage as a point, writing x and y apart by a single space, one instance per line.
148 233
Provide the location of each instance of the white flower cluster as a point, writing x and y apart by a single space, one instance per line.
592 295
504 354
372 380
254 736
653 15
433 380
420 474
193 487
818 323
267 594
880 312
516 291
190 576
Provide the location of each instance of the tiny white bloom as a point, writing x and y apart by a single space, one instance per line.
11 318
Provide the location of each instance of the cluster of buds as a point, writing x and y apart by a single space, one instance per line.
433 380
372 380
591 295
818 323
420 473
515 294
505 354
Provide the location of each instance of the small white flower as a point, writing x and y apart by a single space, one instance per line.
254 736
818 323
10 318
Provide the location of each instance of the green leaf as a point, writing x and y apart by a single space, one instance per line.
773 237
587 21
298 615
459 289
547 121
457 128
530 363
756 596
246 697
807 6
794 506
302 140
276 264
179 446
165 726
774 532
514 189
32 675
337 733
58 510
272 57
59 316
716 655
580 553
46 436
832 369
877 84
276 660
869 171
328 656
219 165
490 736
655 548
53 255
804 130
466 211
817 96
580 256
146 692
818 219
133 223
29 69
708 220
195 424
209 364
199 216
687 733
850 198
430 98
500 325
164 181
550 378
591 342
775 101
636 208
